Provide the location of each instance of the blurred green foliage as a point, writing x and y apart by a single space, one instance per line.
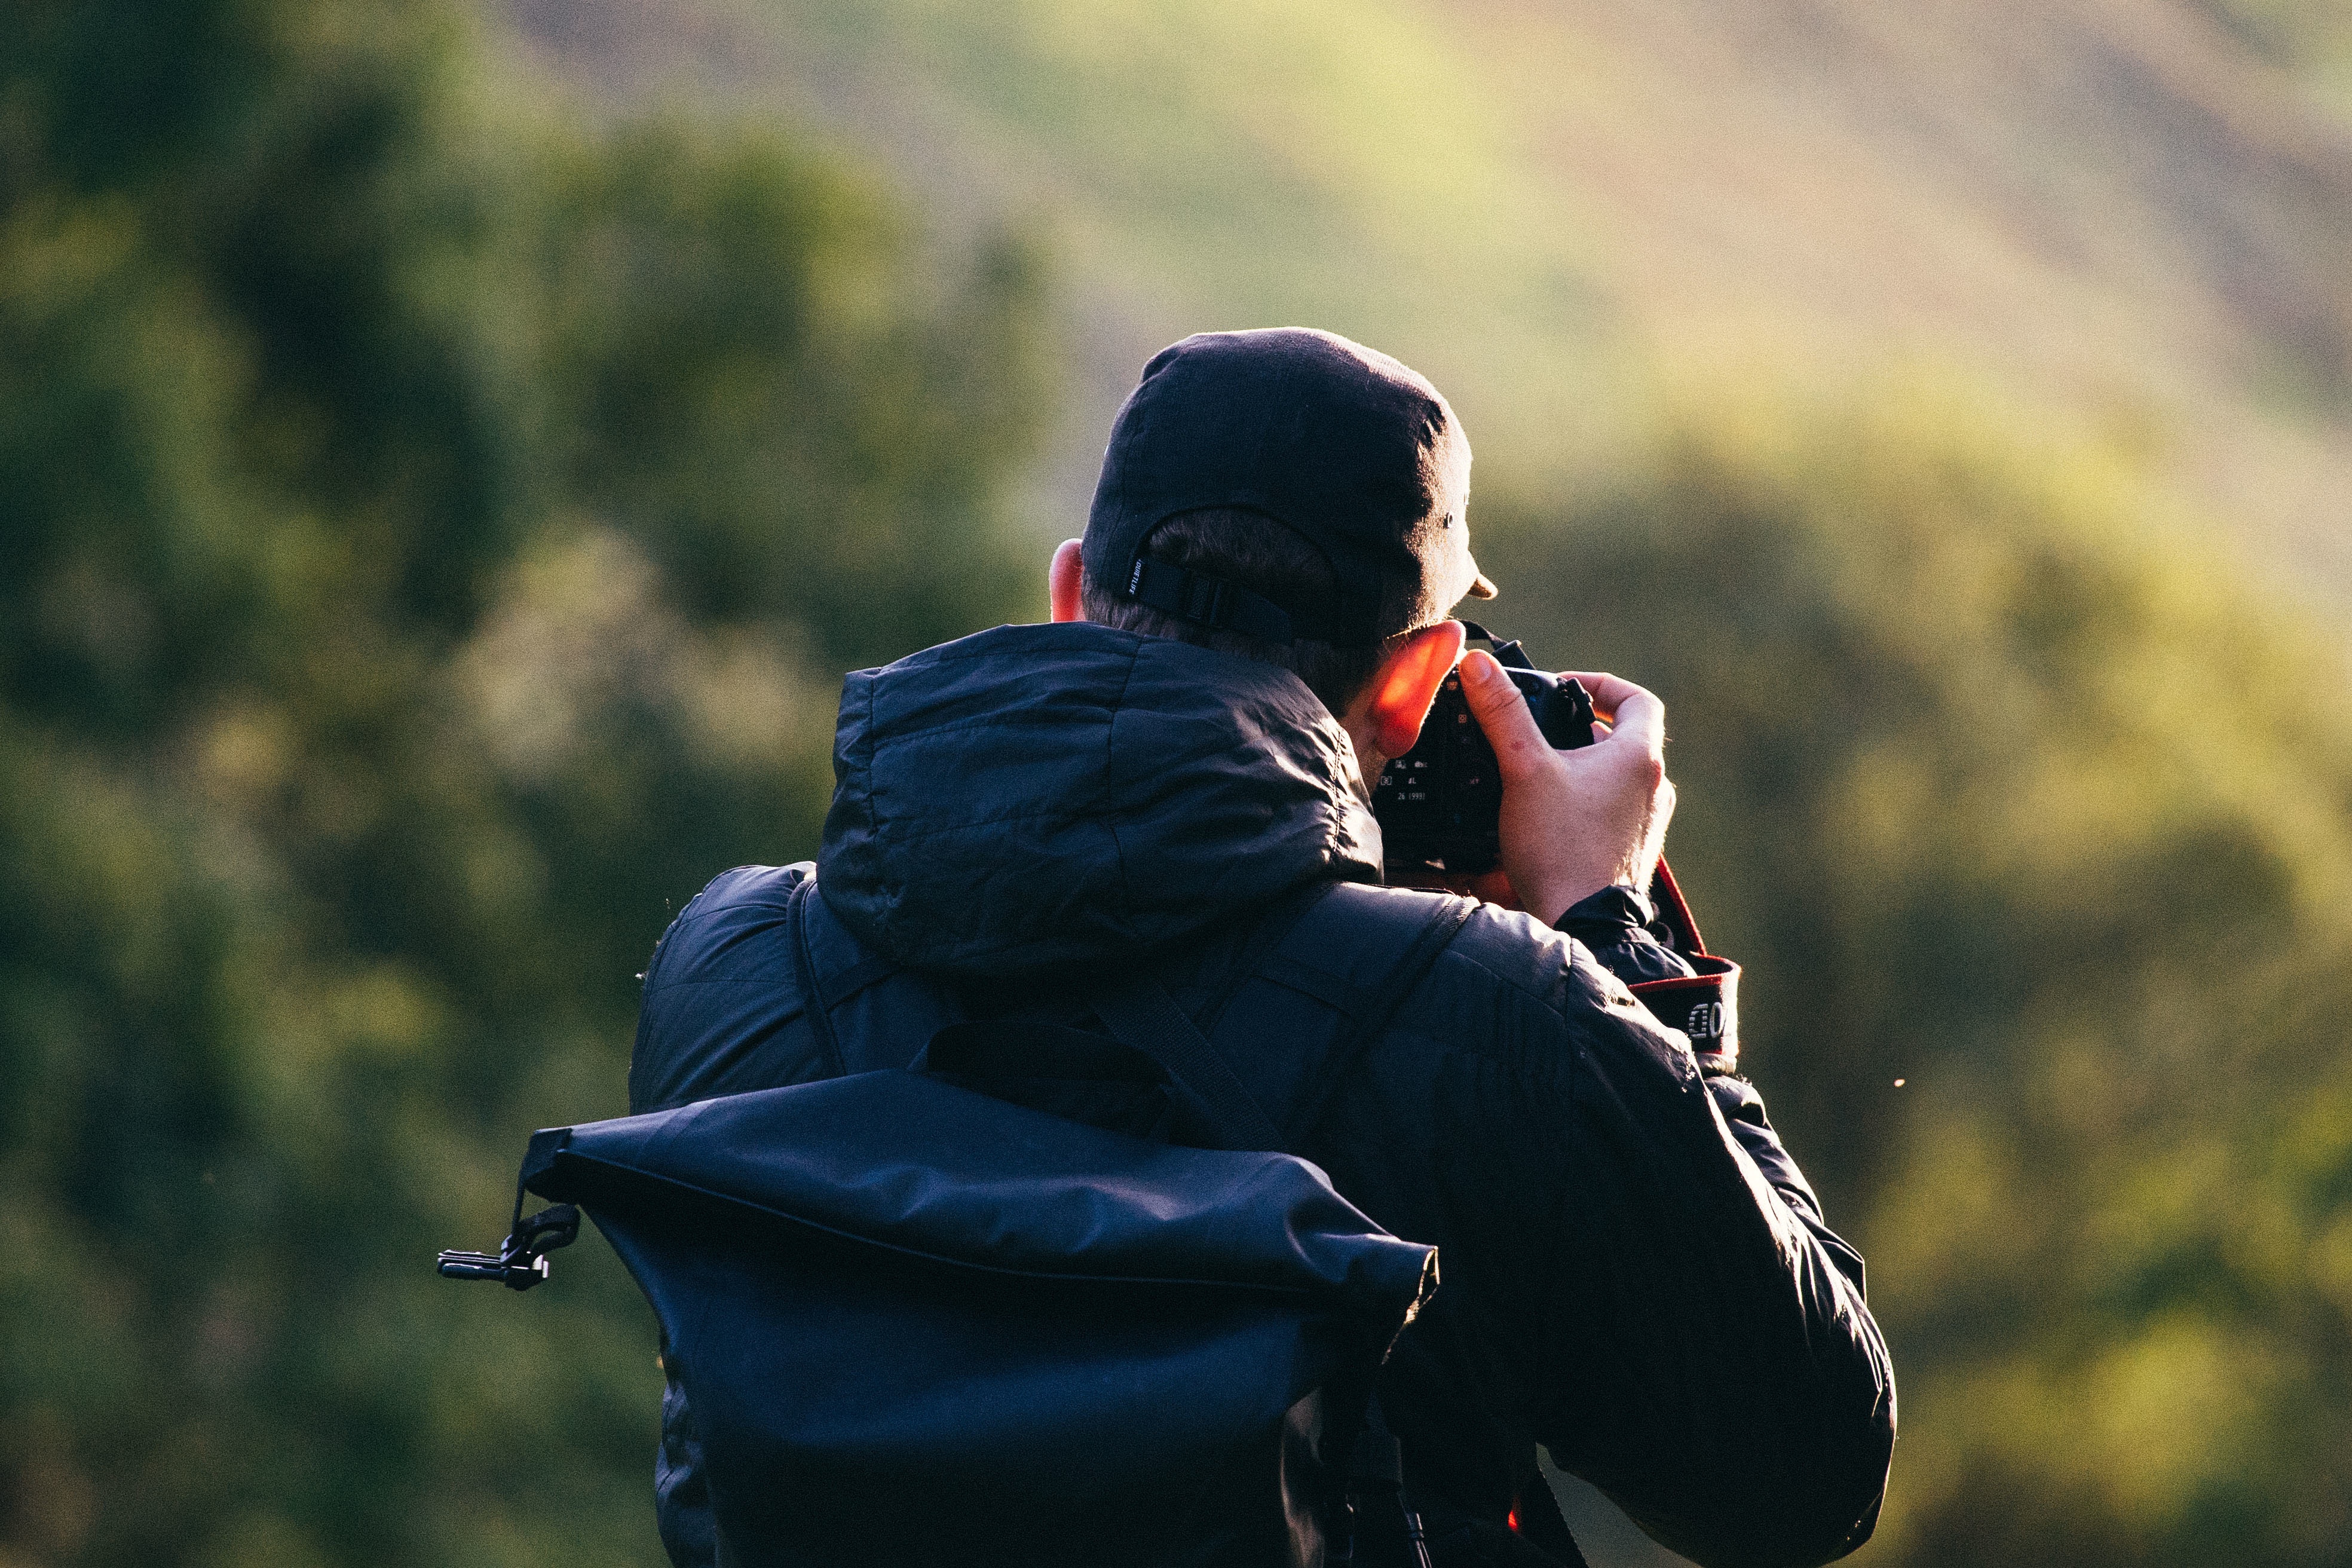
429 535
428 539
2004 799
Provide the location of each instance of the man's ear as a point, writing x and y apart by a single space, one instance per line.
1062 582
1406 683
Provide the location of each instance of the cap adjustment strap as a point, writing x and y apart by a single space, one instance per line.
1207 601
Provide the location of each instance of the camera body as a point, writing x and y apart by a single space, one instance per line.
1439 804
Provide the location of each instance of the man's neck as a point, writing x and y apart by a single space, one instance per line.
1363 734
1370 759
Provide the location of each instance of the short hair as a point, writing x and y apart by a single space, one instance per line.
1250 551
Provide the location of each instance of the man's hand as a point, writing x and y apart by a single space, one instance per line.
1575 822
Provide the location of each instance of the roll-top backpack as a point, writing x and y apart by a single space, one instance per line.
1045 1296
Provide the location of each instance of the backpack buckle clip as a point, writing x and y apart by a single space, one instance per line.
521 1261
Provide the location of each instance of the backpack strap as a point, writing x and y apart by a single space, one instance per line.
1141 1014
813 1000
1368 1013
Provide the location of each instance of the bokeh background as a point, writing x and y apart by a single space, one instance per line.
449 456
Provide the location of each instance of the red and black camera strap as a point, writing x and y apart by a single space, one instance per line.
1704 1006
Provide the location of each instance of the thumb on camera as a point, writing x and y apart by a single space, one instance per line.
1504 714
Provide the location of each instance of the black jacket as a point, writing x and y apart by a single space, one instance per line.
1634 1273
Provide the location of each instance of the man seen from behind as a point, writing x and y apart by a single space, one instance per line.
1164 778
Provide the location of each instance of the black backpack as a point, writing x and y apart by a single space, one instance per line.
920 1324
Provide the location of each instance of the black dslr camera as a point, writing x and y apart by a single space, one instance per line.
1439 803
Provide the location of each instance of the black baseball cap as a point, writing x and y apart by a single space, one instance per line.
1336 442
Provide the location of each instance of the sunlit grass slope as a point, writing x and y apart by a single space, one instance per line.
1291 161
2128 215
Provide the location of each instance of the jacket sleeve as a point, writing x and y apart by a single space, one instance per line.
1743 1113
1614 926
1713 1365
689 1530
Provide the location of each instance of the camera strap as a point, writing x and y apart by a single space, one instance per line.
1706 1004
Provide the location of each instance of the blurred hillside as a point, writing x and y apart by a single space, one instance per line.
2132 216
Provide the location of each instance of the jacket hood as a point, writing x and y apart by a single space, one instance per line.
1038 796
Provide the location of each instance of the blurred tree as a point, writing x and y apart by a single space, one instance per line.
2032 829
428 539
